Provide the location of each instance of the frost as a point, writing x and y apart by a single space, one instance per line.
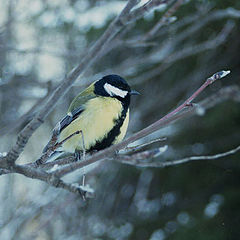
3 154
162 149
160 7
85 188
141 3
225 73
54 168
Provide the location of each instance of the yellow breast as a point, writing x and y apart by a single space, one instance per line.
95 122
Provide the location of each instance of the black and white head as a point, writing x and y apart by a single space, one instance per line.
114 86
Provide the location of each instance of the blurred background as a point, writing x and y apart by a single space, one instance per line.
165 59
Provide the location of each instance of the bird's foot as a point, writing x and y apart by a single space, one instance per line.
78 155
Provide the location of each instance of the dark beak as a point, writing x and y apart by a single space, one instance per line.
133 92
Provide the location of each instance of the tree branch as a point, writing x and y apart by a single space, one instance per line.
53 177
137 159
86 62
52 172
177 113
186 52
9 128
163 20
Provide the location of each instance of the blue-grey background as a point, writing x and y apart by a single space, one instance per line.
42 40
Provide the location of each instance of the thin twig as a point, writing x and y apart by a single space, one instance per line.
139 12
138 161
140 157
163 20
184 53
210 44
140 146
12 126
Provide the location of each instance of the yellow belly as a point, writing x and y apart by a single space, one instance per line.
95 122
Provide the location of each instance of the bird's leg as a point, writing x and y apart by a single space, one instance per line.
84 157
116 152
78 155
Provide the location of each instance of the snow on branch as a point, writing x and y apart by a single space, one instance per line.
180 112
52 172
66 165
91 56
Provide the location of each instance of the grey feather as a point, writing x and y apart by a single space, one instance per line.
71 116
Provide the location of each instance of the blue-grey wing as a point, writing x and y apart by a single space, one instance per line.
71 116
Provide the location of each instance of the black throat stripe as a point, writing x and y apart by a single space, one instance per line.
111 136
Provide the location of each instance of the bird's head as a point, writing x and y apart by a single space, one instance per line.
114 86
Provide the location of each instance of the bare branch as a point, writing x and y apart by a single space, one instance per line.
52 172
28 115
137 160
163 20
186 52
50 178
59 162
139 12
86 62
140 146
170 56
176 114
210 44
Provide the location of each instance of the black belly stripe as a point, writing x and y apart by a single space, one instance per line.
111 136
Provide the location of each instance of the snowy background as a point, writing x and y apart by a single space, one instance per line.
42 40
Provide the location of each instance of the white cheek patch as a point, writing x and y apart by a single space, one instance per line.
114 91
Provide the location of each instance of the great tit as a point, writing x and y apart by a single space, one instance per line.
100 112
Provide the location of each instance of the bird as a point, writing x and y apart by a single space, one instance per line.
100 113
